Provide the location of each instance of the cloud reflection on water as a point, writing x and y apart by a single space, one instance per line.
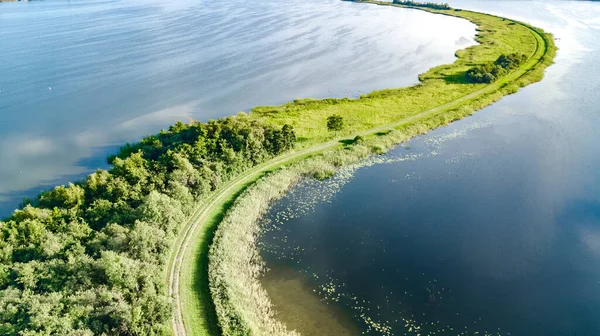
120 70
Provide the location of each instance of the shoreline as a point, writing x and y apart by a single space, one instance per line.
330 158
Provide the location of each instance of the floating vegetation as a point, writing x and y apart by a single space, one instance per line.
395 316
309 192
235 266
438 141
403 321
303 198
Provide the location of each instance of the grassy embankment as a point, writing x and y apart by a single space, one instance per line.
442 97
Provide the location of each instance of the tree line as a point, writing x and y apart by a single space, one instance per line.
433 5
490 72
88 258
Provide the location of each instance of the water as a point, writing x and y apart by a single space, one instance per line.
80 78
490 225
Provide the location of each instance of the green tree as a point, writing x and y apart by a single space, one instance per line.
87 258
64 197
289 137
335 123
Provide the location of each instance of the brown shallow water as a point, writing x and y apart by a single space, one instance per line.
302 309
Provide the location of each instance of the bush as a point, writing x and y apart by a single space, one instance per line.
490 72
481 74
358 140
511 61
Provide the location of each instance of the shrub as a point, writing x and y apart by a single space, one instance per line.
480 74
490 72
510 61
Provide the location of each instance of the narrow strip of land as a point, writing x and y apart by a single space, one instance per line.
211 208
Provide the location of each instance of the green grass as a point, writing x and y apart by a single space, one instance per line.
441 98
440 85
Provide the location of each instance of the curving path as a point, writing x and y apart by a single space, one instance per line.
221 196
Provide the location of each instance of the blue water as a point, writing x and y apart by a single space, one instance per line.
80 78
490 225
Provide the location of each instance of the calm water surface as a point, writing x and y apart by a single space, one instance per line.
79 78
490 226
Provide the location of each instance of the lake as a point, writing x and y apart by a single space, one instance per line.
490 226
81 78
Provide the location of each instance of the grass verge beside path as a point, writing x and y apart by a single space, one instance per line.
442 97
191 271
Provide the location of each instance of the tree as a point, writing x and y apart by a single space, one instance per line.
490 72
65 197
87 258
289 137
480 74
335 123
510 61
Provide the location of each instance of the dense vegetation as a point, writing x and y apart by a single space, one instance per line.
490 72
432 5
88 258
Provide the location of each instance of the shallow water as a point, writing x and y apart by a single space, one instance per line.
490 225
301 308
80 78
